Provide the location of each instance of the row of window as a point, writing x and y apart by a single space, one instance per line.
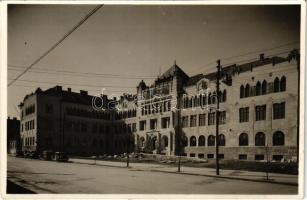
88 114
156 108
125 114
77 126
279 112
125 128
29 141
29 125
279 85
240 156
202 119
201 100
278 140
165 123
30 109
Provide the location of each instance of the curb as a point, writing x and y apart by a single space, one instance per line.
227 177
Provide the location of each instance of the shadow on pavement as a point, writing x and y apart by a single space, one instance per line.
12 188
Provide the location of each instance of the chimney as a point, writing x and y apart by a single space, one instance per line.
261 56
83 93
69 89
58 88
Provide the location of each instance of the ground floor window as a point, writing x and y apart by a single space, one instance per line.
201 155
278 157
242 157
210 155
192 155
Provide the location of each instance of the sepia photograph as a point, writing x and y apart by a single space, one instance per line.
154 99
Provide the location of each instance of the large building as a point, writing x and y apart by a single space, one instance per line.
258 115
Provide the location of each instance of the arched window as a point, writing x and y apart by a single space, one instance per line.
276 84
260 139
214 97
224 96
264 87
283 84
247 89
242 91
205 99
204 85
243 139
165 141
258 88
191 102
195 101
209 98
222 140
211 140
193 141
278 138
201 141
185 141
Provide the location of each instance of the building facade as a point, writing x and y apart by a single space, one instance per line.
59 120
258 115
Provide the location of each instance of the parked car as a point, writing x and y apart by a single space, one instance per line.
34 155
60 157
47 155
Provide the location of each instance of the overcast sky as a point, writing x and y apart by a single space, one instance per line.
135 42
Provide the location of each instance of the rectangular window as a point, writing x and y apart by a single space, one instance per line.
193 120
192 155
202 120
244 114
211 118
242 157
153 124
260 112
259 157
165 122
134 127
185 121
278 157
210 155
222 117
201 155
142 125
279 110
221 156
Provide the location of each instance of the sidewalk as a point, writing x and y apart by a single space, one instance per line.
275 178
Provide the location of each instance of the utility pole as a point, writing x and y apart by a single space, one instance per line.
128 142
218 76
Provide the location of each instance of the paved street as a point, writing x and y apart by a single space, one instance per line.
52 177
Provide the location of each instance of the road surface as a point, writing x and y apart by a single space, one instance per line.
53 177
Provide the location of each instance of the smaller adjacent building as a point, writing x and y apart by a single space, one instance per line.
63 120
13 135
